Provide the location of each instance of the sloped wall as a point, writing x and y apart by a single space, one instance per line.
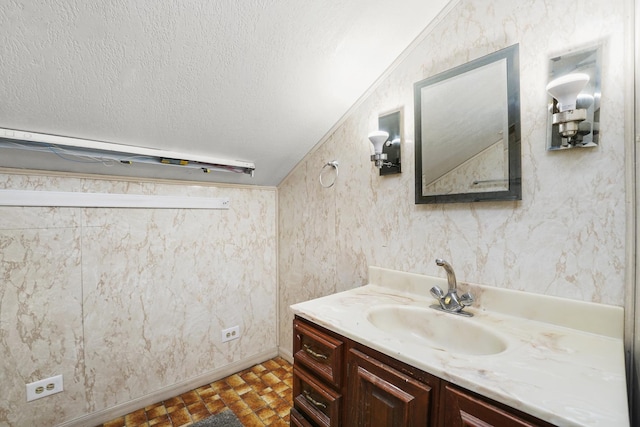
565 238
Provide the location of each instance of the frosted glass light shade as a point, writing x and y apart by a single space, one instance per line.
565 89
378 138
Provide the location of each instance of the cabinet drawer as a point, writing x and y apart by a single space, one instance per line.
297 420
314 400
319 351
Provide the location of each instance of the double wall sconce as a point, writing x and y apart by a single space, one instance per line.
574 106
386 143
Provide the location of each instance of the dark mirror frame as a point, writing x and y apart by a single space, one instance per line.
514 191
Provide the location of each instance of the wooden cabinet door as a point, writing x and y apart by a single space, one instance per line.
381 396
464 409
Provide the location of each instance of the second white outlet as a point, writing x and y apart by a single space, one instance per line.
43 388
232 333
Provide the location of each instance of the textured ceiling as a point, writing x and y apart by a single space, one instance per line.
255 80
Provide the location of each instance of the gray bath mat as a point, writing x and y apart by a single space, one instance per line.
223 419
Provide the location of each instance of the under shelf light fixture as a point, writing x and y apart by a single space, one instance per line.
86 150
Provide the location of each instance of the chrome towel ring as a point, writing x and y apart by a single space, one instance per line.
334 165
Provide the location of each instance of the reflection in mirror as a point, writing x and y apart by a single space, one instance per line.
473 143
468 132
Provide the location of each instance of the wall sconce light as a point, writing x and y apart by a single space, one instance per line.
574 104
565 91
387 143
378 138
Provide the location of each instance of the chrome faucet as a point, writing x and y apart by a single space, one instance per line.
451 302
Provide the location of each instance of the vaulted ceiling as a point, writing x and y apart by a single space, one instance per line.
255 80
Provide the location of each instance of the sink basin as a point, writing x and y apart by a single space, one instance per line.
443 331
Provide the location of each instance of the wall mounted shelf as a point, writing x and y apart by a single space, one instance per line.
107 200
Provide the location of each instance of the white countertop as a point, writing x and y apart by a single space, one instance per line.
563 362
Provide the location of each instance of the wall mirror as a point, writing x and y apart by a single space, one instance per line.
467 130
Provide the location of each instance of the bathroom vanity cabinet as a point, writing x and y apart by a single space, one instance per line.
339 382
378 355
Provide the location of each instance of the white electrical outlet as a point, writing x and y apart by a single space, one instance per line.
232 333
43 388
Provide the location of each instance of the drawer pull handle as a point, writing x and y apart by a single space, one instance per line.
313 401
315 354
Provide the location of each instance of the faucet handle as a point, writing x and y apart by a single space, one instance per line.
437 293
466 299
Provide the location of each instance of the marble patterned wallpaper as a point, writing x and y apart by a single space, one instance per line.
128 302
565 238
